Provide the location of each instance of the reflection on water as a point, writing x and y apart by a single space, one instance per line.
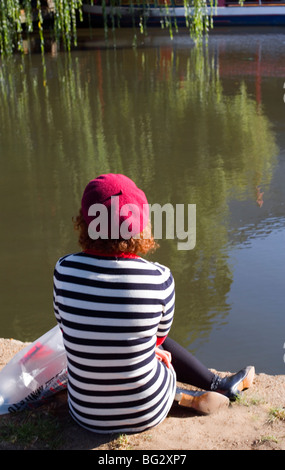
184 127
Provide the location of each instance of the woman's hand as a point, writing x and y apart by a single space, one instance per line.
163 356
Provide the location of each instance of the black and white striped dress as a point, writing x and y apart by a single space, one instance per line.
111 311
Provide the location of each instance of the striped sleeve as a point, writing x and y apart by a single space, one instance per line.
169 304
55 301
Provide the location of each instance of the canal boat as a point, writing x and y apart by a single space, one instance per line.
253 13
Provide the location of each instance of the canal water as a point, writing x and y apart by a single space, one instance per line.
190 126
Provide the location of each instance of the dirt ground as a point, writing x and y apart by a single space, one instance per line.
255 422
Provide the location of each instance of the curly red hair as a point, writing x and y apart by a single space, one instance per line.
143 244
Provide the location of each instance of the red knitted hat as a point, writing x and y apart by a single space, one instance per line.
124 203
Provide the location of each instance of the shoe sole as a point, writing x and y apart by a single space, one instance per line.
206 403
248 379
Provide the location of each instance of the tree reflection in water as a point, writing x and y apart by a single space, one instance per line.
157 114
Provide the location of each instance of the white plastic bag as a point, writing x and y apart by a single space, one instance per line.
34 374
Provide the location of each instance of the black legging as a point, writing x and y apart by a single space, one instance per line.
188 369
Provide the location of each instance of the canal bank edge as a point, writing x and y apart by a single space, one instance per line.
255 422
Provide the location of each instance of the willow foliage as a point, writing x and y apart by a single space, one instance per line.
20 17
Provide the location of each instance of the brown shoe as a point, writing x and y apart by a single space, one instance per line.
203 402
